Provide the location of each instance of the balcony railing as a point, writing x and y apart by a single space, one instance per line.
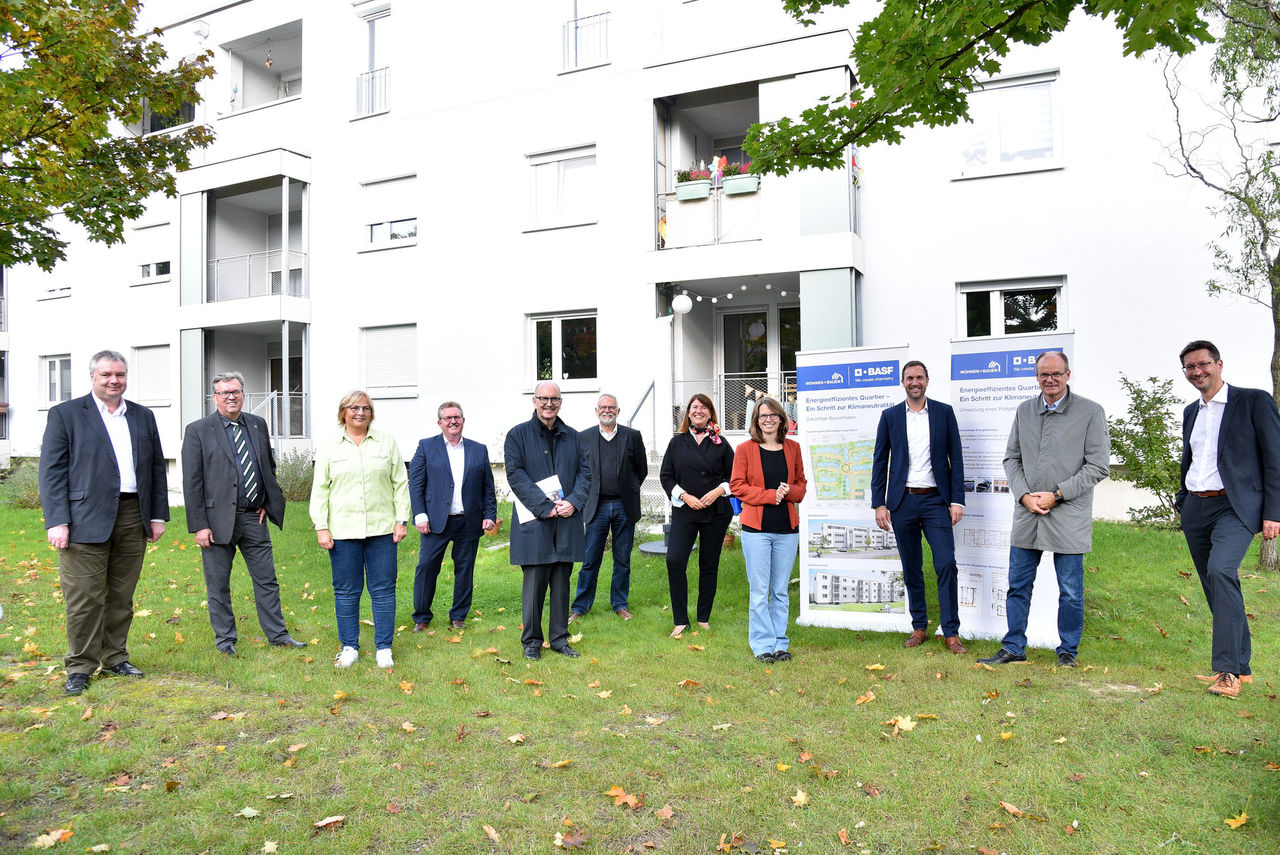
719 218
735 396
586 41
373 91
271 407
259 274
3 326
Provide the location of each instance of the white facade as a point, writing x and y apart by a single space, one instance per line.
435 204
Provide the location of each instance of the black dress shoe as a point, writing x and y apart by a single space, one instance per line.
227 649
567 651
288 641
1002 657
419 627
76 684
766 658
1066 660
125 669
781 656
458 624
533 653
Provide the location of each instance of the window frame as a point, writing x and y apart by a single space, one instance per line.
998 287
586 213
388 390
375 243
138 367
64 394
557 320
1055 161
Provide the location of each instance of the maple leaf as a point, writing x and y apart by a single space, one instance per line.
664 812
1006 734
653 720
626 710
296 747
982 850
406 687
53 838
1013 811
279 796
516 738
782 767
560 764
88 713
865 699
572 840
248 812
607 693
1238 820
805 756
699 647
874 667
269 846
407 726
1059 740
392 807
331 821
800 799
170 786
722 726
490 833
339 695
101 847
688 684
1271 766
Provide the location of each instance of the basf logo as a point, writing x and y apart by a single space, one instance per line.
983 366
847 376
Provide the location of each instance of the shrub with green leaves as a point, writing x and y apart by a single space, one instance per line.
20 484
293 471
1148 444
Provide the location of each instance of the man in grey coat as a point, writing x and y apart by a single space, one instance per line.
1059 449
547 536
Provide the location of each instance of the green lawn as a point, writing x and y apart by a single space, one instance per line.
1126 754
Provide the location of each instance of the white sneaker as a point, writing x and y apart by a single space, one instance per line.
384 658
346 657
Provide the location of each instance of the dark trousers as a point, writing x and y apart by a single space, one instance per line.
431 557
98 580
929 515
1217 541
610 517
538 578
710 537
254 542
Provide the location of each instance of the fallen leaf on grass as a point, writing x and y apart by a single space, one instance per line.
1237 821
865 699
330 821
1077 778
296 747
101 847
874 667
664 812
1271 766
392 807
871 791
1013 811
688 684
407 726
490 833
843 835
1059 740
516 738
279 796
269 847
559 764
1006 734
607 693
653 721
88 713
982 850
406 687
572 840
805 756
1184 600
722 726
53 838
699 647
782 767
248 812
170 786
800 799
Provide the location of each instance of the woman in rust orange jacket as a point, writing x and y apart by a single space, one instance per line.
768 477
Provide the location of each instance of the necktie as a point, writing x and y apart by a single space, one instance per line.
248 473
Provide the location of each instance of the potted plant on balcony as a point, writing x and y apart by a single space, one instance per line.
738 179
692 184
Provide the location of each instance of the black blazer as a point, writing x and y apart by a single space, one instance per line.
1248 455
944 454
431 485
210 475
698 469
633 468
79 477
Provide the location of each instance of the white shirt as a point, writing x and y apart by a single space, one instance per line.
608 436
920 470
121 442
1203 474
457 465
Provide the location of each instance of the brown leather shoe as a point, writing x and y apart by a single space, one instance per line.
1247 679
573 616
952 643
1227 685
916 639
419 627
458 624
623 613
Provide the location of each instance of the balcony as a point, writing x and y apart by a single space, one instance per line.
586 42
735 396
258 274
373 92
720 218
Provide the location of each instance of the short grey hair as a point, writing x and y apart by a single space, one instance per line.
1066 365
446 405
109 356
224 376
604 395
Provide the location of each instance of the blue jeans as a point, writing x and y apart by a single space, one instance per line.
769 557
355 563
1022 577
610 517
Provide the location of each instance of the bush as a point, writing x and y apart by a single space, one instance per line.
1148 444
20 484
294 471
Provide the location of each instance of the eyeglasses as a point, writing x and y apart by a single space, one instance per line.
542 399
1196 366
360 408
1052 375
606 408
770 417
234 393
451 419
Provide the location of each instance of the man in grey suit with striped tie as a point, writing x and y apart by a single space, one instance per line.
229 486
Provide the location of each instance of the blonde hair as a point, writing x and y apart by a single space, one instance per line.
349 399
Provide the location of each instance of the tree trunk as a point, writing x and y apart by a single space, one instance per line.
1268 556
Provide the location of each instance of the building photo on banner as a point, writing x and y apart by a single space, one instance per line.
850 570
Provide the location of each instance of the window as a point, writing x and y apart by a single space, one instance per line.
586 41
157 270
564 187
391 361
1009 308
55 377
385 211
564 349
395 230
153 122
265 66
373 85
149 375
1015 127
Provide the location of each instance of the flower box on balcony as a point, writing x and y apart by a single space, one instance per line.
735 184
692 184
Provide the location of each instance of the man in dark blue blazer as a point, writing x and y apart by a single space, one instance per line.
105 495
1230 491
451 492
917 485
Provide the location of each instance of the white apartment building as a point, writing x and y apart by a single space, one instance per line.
451 201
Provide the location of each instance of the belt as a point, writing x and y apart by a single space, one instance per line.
124 496
923 491
1208 494
456 516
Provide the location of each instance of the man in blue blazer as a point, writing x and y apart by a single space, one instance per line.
451 492
1230 491
917 485
105 495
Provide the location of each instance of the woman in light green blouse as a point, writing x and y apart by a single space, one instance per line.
360 510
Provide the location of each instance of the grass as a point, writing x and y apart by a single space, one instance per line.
1128 754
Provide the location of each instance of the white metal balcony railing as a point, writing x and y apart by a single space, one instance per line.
271 406
3 327
720 218
373 91
586 41
259 274
735 396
